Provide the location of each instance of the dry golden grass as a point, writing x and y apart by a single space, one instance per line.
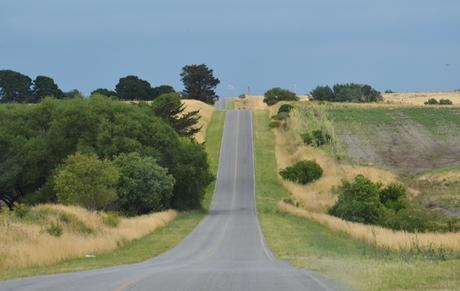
317 196
447 176
26 244
250 102
206 112
419 98
382 237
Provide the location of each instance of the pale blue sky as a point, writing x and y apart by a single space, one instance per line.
393 44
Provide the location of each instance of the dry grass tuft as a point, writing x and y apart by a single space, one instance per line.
206 112
27 243
379 236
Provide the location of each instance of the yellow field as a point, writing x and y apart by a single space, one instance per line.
27 243
250 102
418 98
206 112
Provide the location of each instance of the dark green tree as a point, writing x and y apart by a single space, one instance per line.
170 108
276 94
134 88
74 94
163 89
105 92
45 87
14 87
323 93
199 83
144 186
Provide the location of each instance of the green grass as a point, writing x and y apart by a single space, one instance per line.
230 104
307 244
151 245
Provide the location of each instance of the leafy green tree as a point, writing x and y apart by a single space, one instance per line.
170 108
192 176
45 87
276 94
105 92
359 201
199 83
323 93
163 89
144 186
134 88
14 87
302 172
86 181
74 94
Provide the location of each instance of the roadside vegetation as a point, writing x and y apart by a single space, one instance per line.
277 94
306 241
96 239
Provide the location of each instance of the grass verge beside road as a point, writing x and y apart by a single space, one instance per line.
307 244
150 245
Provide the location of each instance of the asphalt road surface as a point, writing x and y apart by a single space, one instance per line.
226 251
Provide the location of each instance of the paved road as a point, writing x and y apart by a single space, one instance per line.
226 251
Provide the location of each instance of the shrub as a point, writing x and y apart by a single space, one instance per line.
302 172
392 196
431 101
281 116
316 138
445 102
111 219
389 91
359 201
274 95
307 138
143 185
86 181
285 108
21 210
54 229
413 219
274 123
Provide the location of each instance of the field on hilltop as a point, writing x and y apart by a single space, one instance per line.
408 139
419 98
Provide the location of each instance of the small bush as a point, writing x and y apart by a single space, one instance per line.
445 102
111 219
359 201
302 172
274 123
21 210
274 95
307 138
285 108
389 91
54 229
281 116
316 138
431 101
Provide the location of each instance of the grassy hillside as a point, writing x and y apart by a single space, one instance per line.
410 139
307 244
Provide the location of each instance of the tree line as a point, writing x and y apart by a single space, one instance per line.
199 83
101 154
346 93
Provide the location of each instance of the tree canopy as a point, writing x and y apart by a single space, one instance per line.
45 87
346 93
14 87
170 108
35 140
276 94
199 83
